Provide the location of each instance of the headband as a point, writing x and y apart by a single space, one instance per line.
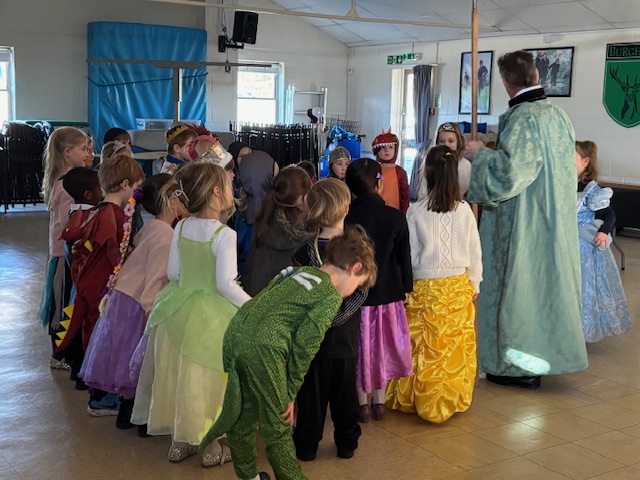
447 127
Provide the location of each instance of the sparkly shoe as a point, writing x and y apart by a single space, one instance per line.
58 364
378 410
219 457
179 453
364 414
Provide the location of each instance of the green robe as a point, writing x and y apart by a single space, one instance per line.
529 308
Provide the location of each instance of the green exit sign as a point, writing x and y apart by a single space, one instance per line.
398 59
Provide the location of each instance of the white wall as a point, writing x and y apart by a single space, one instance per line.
619 147
50 42
311 60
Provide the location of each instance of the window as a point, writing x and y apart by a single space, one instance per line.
6 85
258 92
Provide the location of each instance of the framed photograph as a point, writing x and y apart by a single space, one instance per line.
555 66
485 68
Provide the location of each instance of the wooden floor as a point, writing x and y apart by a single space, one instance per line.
584 425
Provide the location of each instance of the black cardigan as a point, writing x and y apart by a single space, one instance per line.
389 231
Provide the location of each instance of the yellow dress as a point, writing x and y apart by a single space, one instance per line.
443 344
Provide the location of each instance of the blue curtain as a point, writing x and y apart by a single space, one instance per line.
421 104
121 92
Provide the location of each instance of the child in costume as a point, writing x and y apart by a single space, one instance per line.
396 192
188 321
331 378
66 148
122 323
268 348
255 174
604 305
385 345
238 151
310 168
339 160
84 187
280 228
101 248
447 269
450 134
179 139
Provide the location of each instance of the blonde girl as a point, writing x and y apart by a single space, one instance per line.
188 320
447 269
604 306
66 148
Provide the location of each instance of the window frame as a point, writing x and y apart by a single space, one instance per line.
7 55
276 68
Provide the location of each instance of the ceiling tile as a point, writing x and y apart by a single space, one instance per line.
443 7
499 18
371 31
615 11
571 15
525 3
434 34
583 28
341 34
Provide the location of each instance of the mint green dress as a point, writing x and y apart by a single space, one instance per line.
186 328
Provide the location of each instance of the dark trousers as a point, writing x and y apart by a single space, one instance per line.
329 381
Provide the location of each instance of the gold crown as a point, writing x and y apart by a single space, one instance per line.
176 132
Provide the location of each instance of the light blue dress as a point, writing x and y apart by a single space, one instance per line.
604 305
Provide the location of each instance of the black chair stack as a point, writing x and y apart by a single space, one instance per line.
287 144
21 167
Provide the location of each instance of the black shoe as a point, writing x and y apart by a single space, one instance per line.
142 431
345 453
530 383
73 376
80 385
264 476
306 456
123 421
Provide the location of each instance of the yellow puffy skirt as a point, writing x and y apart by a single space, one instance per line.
443 345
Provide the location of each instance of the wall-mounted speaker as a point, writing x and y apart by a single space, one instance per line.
245 27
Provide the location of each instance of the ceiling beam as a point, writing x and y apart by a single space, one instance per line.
350 17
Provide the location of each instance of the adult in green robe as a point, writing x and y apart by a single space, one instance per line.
529 312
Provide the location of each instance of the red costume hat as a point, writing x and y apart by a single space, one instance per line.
383 140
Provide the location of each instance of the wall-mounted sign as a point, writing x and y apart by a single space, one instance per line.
622 83
399 59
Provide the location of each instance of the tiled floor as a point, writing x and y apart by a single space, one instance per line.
585 425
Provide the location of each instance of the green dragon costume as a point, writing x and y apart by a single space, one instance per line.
267 350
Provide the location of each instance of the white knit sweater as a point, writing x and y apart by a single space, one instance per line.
444 244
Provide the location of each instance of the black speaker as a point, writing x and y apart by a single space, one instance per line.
245 27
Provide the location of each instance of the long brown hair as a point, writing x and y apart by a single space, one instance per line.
289 188
441 173
587 148
454 128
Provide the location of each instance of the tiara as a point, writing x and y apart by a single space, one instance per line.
447 127
117 146
176 132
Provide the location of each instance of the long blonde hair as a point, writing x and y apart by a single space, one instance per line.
55 163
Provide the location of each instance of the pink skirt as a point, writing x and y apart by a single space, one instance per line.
385 346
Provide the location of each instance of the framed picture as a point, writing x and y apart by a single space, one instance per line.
485 68
555 66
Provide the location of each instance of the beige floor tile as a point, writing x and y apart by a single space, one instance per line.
519 438
572 380
468 451
461 476
561 397
614 445
516 468
633 431
519 407
609 415
626 473
567 426
478 418
632 402
607 390
432 433
573 461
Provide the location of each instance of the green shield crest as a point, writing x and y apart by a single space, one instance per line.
621 90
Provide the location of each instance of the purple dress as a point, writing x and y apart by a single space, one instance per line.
107 363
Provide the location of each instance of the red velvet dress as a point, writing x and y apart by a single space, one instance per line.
96 255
